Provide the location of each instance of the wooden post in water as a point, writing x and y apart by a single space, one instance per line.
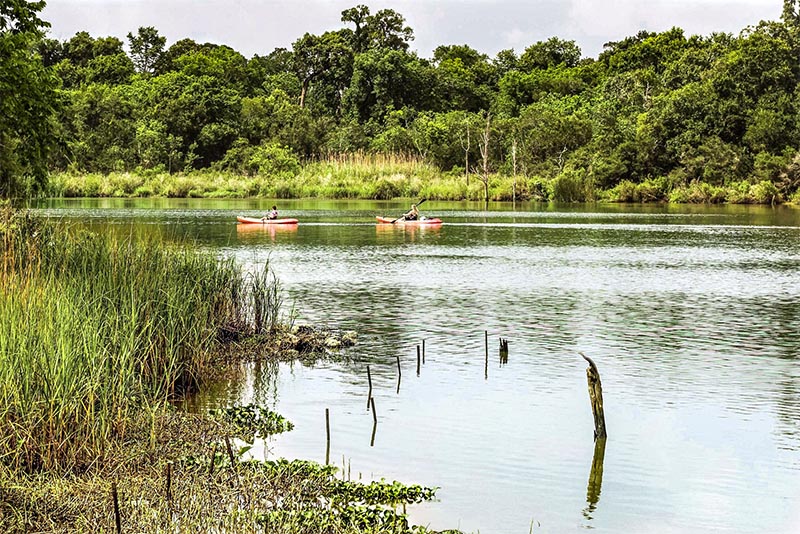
486 365
115 499
419 360
423 352
369 379
328 436
503 351
596 398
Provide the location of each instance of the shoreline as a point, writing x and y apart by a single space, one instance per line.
185 470
329 182
102 336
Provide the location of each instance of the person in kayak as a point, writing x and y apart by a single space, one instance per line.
412 214
271 215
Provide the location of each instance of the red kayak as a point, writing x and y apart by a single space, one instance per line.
389 220
255 220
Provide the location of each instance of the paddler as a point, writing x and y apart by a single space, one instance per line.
412 214
271 215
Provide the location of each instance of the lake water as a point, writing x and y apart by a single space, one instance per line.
692 315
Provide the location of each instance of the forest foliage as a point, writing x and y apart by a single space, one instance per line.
655 116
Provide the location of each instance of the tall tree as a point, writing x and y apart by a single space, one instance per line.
791 13
483 170
550 53
146 47
321 55
385 29
27 100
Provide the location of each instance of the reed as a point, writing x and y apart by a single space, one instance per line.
96 329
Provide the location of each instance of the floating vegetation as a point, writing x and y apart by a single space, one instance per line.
253 421
319 501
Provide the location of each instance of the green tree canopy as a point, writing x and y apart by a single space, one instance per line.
27 100
146 47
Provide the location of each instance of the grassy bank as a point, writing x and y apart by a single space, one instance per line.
94 328
382 177
98 334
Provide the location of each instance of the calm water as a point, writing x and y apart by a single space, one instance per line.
691 314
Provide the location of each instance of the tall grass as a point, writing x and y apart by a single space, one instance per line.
94 328
376 176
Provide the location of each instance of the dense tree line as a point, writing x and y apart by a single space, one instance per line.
663 108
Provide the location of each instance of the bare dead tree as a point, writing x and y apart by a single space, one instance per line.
561 159
514 162
465 146
417 139
483 145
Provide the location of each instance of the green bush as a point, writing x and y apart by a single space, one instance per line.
271 159
699 193
572 186
765 192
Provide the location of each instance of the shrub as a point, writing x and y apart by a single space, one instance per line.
765 192
271 159
572 186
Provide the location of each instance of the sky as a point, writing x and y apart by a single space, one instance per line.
259 26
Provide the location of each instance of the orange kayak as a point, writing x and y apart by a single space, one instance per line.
258 220
388 220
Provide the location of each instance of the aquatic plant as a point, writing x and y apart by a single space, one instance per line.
94 328
253 421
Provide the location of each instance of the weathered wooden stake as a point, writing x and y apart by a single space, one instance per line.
115 499
486 365
369 379
503 351
328 434
596 398
169 482
230 452
423 352
374 413
213 458
419 360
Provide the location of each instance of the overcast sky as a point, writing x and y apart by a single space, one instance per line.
258 27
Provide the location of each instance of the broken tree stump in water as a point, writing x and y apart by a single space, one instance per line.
503 351
596 398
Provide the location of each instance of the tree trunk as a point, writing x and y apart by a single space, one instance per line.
303 92
596 398
466 158
484 146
